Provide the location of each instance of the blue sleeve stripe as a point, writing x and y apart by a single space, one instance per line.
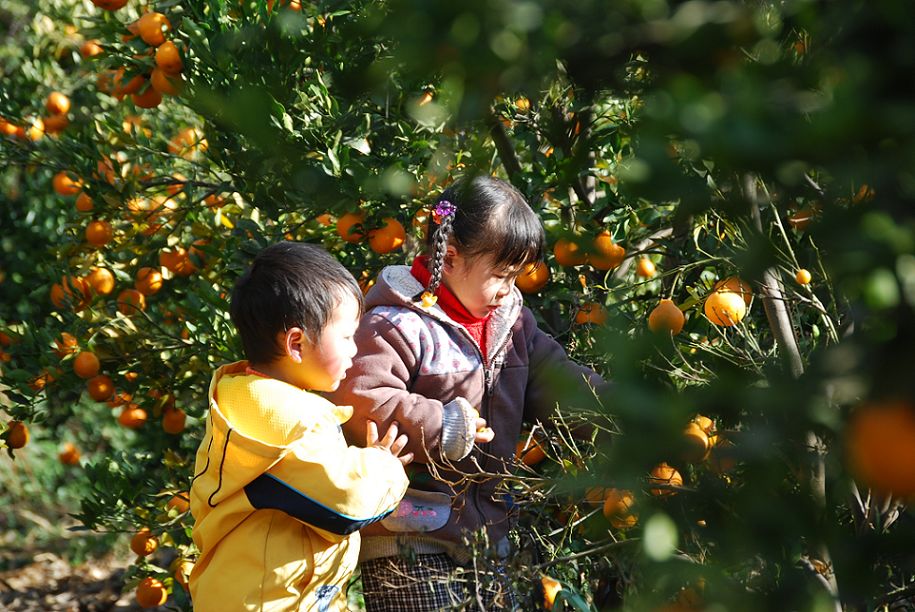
267 492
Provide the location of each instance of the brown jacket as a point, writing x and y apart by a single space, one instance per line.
417 367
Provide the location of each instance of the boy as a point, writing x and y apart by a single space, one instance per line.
278 496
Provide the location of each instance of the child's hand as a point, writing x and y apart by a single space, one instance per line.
391 442
484 433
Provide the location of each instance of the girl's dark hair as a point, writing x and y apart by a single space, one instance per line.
289 284
491 218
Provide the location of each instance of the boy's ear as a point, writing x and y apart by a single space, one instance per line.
292 341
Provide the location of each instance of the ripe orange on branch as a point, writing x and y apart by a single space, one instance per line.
86 364
152 27
881 446
131 301
69 454
71 291
591 312
533 278
66 183
607 254
99 233
100 388
17 434
388 238
664 474
618 508
148 281
65 345
132 416
666 317
110 5
345 226
84 202
168 58
57 103
151 593
144 543
568 253
529 450
645 268
101 280
551 588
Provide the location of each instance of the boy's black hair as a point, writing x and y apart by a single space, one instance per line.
289 284
491 218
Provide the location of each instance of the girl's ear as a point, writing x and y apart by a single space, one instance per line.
450 254
292 341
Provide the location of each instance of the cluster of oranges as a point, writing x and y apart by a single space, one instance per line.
157 71
382 240
58 106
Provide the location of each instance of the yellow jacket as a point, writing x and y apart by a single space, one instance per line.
278 497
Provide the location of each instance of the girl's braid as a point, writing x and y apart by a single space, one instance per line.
440 246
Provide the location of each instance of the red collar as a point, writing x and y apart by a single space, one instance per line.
447 300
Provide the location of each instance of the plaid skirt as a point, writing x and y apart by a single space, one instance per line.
429 583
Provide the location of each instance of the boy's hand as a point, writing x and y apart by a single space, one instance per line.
391 442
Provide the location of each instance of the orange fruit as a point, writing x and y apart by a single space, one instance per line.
736 285
607 254
803 277
57 103
663 474
176 186
591 312
523 104
165 83
84 202
618 508
345 226
326 219
706 424
34 131
645 268
152 27
551 588
90 48
144 543
69 454
696 443
180 501
721 456
66 183
86 364
131 301
70 291
725 308
66 345
151 593
168 58
188 143
121 398
99 233
388 238
100 388
120 88
7 128
110 5
177 261
533 278
880 447
568 253
132 416
101 280
173 420
529 450
182 569
148 281
666 317
17 434
56 124
149 98
801 219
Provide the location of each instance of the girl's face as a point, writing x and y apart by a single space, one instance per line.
480 284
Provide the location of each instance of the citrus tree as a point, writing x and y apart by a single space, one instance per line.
725 189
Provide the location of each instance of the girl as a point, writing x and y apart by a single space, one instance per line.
448 351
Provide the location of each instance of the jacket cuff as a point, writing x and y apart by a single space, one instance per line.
458 428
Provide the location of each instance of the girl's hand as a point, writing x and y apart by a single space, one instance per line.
484 433
391 442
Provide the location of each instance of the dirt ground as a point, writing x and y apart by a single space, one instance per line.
49 583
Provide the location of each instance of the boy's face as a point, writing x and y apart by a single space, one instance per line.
324 364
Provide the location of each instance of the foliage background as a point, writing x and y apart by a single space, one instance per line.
694 132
